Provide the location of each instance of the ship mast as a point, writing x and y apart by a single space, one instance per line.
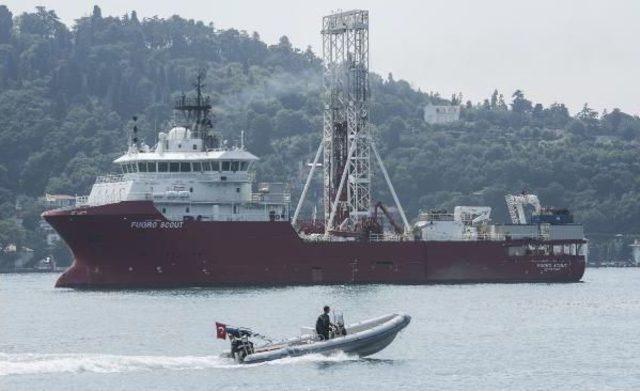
196 114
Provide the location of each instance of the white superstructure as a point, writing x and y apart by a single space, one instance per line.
474 223
187 176
465 223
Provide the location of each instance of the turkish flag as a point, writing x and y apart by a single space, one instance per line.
221 330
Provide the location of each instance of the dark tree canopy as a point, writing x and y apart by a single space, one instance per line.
67 95
6 24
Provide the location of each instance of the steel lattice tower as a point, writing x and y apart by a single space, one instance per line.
346 144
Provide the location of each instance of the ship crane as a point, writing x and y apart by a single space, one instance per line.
516 203
396 227
473 215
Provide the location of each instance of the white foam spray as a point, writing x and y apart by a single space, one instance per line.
34 363
23 364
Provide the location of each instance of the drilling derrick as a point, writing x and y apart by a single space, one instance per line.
346 143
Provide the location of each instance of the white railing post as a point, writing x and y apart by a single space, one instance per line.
407 227
306 184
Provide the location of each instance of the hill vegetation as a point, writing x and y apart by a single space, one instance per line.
67 95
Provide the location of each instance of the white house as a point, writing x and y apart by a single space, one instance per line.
441 114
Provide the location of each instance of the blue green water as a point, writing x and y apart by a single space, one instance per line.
583 336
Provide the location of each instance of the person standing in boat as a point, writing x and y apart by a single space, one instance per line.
323 324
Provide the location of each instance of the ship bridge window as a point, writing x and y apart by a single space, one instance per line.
125 169
206 166
244 166
133 168
215 166
234 165
142 167
174 167
185 167
226 165
163 167
151 167
197 166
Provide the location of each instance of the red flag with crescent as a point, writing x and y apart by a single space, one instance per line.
221 330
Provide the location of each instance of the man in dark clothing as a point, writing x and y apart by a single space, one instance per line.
323 324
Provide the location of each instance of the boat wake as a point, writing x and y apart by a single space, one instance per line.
35 364
27 364
312 358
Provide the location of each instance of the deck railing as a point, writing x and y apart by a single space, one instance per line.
271 198
111 178
388 237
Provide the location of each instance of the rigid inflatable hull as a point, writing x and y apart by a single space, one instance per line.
362 344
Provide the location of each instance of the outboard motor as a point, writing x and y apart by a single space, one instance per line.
338 328
241 346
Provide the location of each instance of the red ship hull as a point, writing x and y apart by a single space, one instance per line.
131 244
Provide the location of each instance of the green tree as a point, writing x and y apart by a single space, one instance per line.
520 104
587 114
43 23
260 134
67 95
6 24
494 99
289 122
11 233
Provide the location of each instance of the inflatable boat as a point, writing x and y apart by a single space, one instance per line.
362 339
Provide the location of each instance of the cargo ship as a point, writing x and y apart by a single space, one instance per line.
187 211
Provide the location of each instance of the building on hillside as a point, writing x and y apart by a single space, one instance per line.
441 114
55 201
14 257
50 234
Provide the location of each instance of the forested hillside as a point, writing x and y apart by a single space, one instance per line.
67 95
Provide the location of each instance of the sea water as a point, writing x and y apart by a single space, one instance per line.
577 336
